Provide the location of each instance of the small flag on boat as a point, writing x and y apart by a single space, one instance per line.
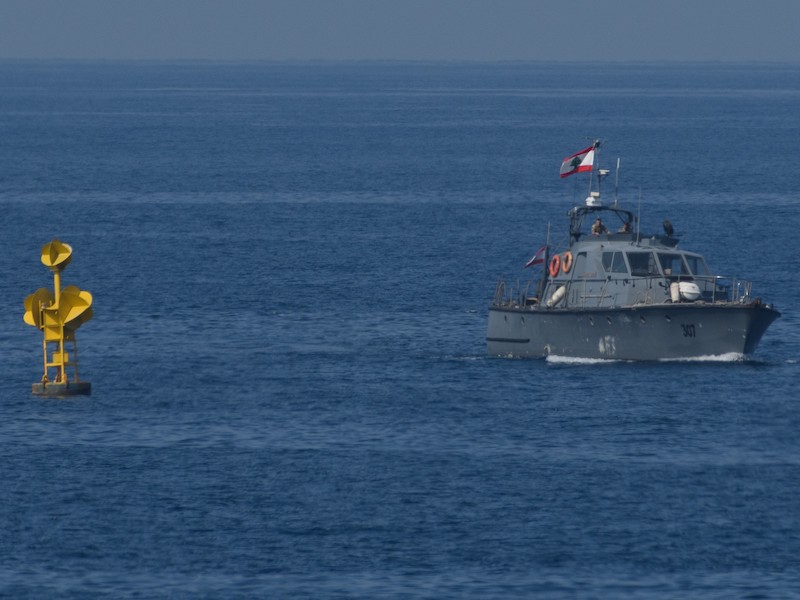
578 162
538 258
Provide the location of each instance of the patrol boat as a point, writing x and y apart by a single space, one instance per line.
618 293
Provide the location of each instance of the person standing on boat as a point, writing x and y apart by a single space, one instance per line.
598 227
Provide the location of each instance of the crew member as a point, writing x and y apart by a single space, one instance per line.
598 227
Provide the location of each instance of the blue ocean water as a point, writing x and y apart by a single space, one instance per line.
291 266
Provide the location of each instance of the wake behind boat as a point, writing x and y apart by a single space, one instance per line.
618 293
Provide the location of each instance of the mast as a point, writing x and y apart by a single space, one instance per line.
596 150
542 285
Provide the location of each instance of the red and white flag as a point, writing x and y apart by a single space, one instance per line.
538 258
578 162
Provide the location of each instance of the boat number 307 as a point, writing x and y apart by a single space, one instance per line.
688 330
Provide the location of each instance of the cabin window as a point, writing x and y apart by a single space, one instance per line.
614 262
673 265
643 264
698 266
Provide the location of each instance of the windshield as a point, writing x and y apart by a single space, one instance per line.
697 265
613 262
672 264
643 264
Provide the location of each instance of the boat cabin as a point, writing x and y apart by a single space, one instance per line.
623 267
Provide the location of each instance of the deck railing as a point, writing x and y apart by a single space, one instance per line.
595 292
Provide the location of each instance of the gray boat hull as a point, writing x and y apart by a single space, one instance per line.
647 332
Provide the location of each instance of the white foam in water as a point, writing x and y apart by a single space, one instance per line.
572 360
727 357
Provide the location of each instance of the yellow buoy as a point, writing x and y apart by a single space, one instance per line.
58 315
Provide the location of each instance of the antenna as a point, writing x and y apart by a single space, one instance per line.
616 184
639 219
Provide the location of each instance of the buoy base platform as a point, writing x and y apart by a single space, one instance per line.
70 388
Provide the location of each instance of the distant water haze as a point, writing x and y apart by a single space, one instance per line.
446 30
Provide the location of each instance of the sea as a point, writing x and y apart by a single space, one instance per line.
291 265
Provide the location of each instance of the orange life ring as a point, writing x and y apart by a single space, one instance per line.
555 265
567 264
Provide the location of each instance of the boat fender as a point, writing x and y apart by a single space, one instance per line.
567 264
689 291
675 291
557 297
555 265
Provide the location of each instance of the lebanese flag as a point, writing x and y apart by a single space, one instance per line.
538 258
578 162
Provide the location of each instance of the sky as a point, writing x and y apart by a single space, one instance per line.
438 30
